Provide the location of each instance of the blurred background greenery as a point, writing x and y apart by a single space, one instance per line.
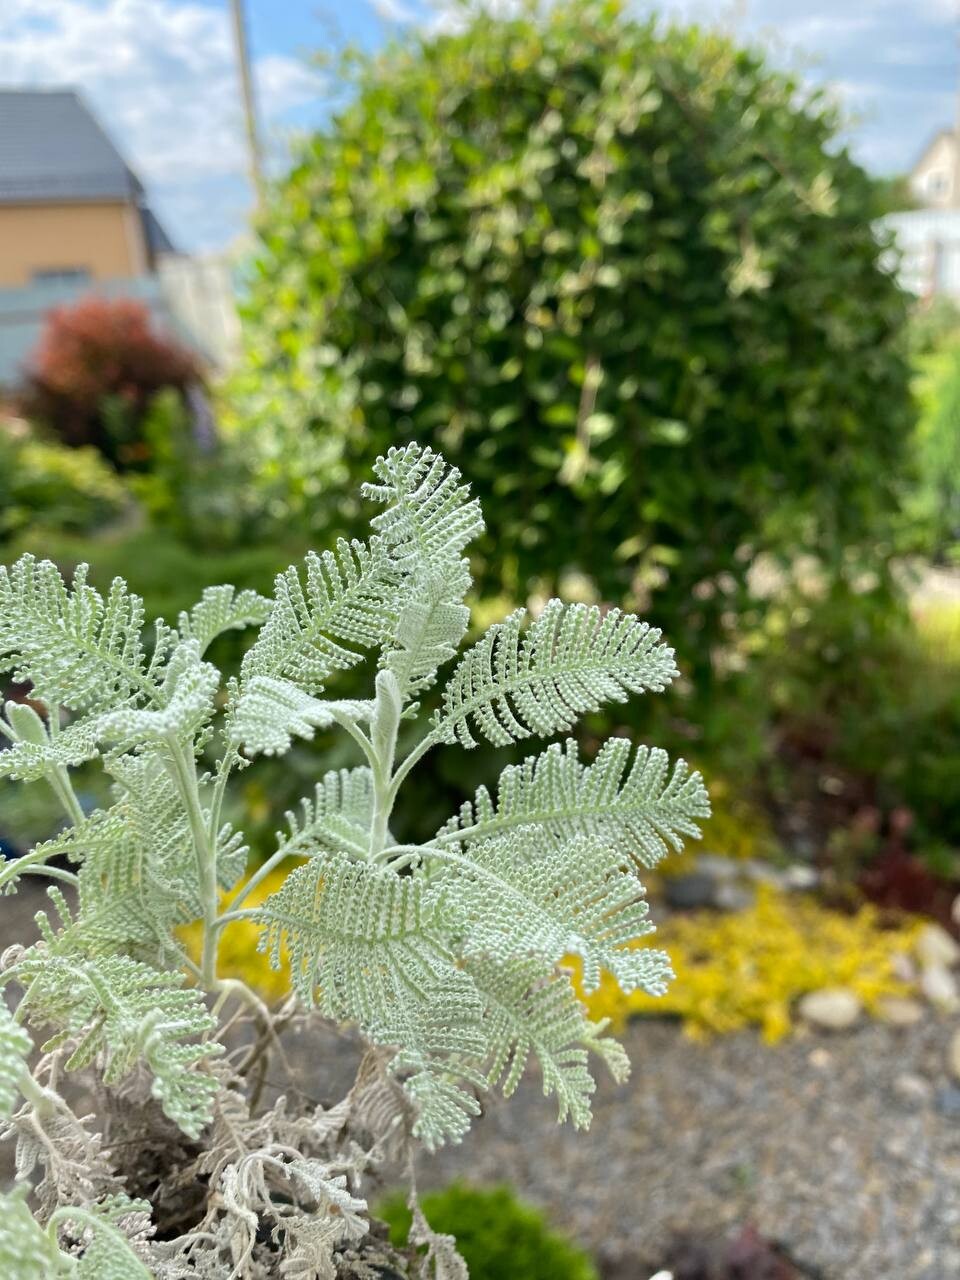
627 278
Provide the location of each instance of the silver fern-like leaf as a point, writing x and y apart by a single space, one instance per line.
272 712
572 660
530 1013
39 749
429 520
642 808
130 1012
321 623
521 895
222 609
27 1252
76 648
15 1047
336 819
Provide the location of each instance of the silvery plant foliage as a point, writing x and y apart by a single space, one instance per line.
142 1146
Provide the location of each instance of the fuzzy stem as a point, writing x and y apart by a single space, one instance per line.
412 758
384 727
59 780
33 861
256 879
205 849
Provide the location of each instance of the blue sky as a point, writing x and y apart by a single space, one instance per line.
160 75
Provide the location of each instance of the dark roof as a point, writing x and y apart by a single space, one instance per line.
52 148
157 239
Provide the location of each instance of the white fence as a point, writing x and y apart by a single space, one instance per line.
191 298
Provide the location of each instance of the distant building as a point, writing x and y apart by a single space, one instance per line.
71 209
933 178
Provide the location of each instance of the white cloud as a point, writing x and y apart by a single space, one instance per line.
161 75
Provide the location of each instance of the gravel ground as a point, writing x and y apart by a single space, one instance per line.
821 1142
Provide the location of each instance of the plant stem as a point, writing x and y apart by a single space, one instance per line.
384 726
59 780
227 762
205 849
413 757
32 861
228 917
256 879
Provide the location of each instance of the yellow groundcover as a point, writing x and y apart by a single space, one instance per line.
747 968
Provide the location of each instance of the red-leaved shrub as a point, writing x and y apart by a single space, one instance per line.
97 367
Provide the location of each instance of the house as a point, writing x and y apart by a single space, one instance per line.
71 209
933 179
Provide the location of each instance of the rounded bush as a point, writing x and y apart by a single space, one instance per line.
626 270
497 1235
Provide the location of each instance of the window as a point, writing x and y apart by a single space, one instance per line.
61 275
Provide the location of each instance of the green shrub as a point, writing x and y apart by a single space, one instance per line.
46 486
896 724
499 1237
626 270
200 490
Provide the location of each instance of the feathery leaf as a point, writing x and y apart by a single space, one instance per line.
572 660
39 750
272 712
129 1011
222 609
26 1251
639 814
15 1046
321 625
336 819
76 649
522 894
429 514
530 1014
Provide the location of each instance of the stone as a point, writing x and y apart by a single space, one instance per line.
761 872
729 896
936 947
948 1101
717 865
953 1055
899 1011
913 1090
939 986
690 892
832 1009
820 1059
799 876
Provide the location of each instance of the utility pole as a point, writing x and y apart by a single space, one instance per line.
255 155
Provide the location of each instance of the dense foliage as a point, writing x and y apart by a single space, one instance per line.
497 1235
98 366
627 270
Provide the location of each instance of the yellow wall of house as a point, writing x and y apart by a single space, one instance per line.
103 239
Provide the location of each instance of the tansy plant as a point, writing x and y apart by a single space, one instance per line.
447 955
